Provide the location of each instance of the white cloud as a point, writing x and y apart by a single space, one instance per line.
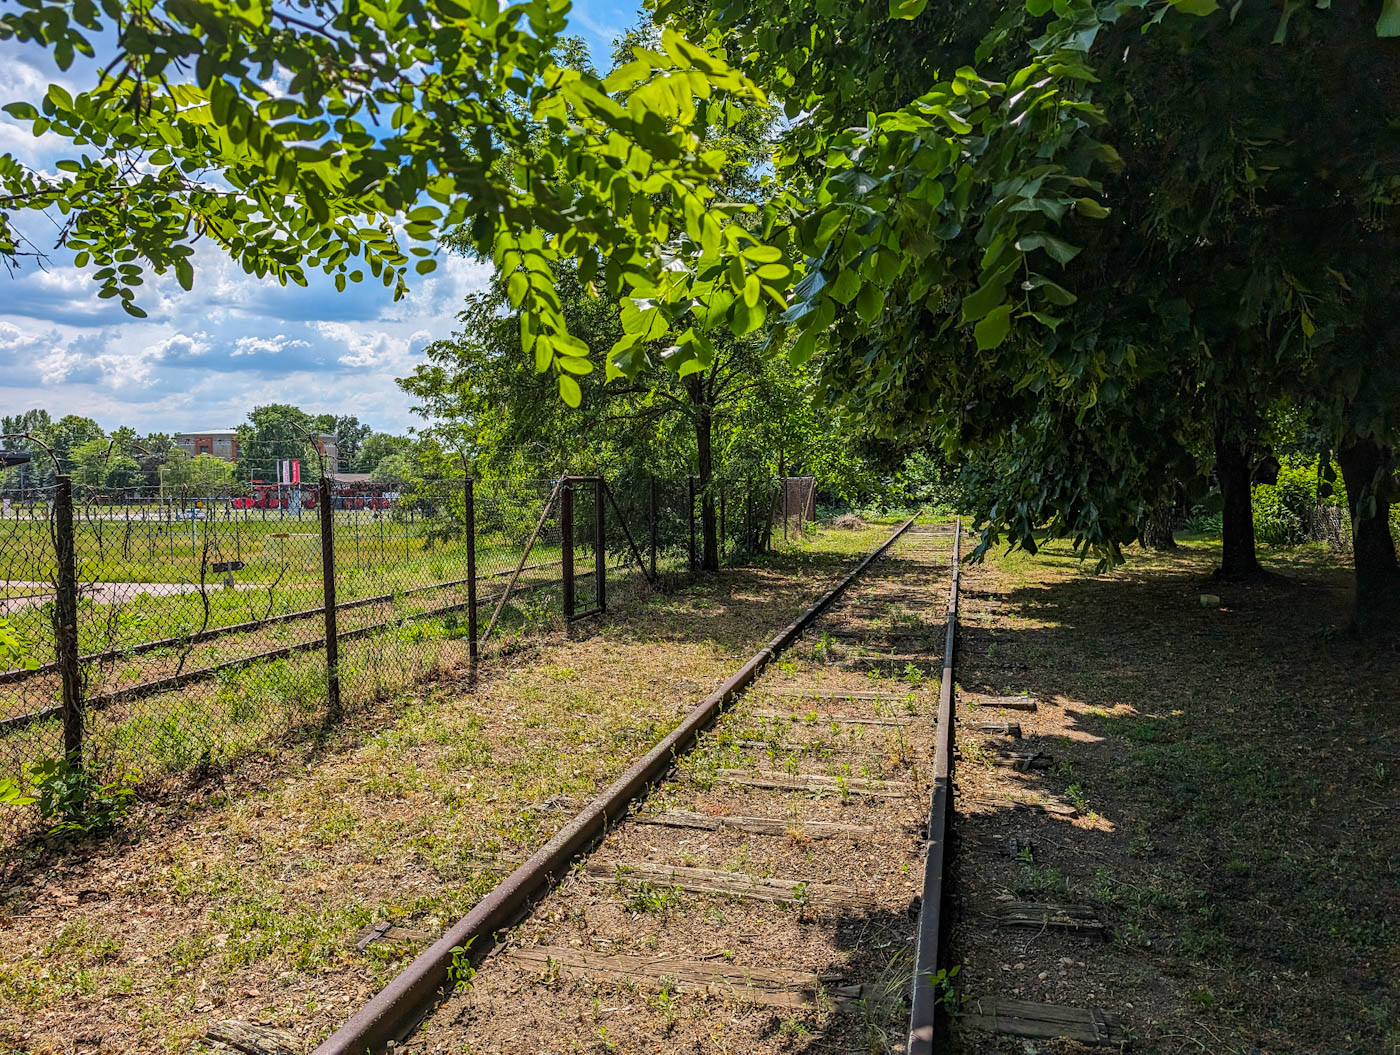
266 345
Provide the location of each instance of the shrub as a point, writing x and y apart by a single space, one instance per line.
74 799
1284 511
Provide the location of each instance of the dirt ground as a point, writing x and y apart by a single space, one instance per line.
798 938
1234 768
242 898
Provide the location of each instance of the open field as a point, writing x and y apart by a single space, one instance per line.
241 898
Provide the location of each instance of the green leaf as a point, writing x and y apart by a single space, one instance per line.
1059 250
870 303
846 286
907 8
988 296
1051 291
1196 7
1090 208
1388 25
516 288
803 348
992 330
574 364
569 390
745 318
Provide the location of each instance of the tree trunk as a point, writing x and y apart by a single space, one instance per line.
1238 559
1365 469
1156 528
704 450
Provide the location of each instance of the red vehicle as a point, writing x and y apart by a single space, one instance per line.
272 496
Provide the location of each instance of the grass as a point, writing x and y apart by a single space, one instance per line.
1239 763
241 897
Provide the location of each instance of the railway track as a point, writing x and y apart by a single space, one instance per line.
782 886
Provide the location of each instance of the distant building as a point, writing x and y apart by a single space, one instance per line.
325 443
221 443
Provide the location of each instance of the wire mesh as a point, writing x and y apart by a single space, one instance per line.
794 505
201 622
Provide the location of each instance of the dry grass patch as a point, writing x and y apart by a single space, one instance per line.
243 901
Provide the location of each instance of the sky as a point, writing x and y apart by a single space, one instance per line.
204 358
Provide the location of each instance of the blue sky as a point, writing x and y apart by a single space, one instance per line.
205 358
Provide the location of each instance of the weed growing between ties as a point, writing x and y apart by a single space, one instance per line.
242 895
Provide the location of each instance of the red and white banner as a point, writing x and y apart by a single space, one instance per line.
289 471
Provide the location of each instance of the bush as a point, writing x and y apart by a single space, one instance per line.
74 799
1284 511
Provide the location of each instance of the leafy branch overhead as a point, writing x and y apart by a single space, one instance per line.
306 134
313 135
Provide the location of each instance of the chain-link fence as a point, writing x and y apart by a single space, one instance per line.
794 505
153 634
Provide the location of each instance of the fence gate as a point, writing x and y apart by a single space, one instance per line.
581 519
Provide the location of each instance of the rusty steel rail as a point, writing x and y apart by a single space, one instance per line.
923 1015
398 1007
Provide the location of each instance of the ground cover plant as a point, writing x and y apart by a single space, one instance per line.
1235 775
242 899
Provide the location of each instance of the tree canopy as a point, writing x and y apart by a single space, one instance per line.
397 126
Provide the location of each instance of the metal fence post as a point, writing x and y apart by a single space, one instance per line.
328 589
651 516
566 546
723 529
600 546
470 514
690 518
65 619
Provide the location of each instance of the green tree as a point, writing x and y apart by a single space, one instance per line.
201 476
104 463
276 432
1066 249
39 471
69 433
407 120
398 468
376 447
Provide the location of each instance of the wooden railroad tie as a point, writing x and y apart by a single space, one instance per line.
252 1039
1008 703
384 931
923 661
1052 806
1039 915
1011 729
867 637
766 986
1020 1018
826 717
880 789
732 884
868 749
1022 761
837 694
777 826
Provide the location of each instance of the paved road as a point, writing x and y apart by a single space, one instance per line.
15 596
